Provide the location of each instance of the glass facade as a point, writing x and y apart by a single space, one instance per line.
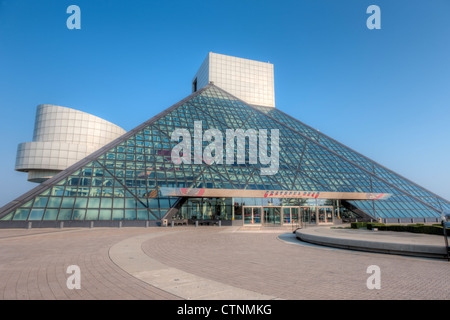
122 181
206 209
276 211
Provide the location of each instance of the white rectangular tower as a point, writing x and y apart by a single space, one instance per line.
249 80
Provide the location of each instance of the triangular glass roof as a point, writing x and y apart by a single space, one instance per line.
121 181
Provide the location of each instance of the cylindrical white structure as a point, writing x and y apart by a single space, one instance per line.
62 136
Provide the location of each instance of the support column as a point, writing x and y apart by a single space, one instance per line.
338 211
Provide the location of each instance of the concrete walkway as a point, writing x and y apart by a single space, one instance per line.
403 243
229 263
129 256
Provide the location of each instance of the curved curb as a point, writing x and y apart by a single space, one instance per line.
129 256
418 250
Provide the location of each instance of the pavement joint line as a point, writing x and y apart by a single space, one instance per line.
129 256
40 234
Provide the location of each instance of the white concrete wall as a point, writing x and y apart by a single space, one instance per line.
202 74
62 136
249 80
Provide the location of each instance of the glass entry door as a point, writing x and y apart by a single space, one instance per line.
316 215
290 215
194 210
286 215
308 215
252 215
272 215
294 215
325 214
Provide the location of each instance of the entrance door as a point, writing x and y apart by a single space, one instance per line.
287 215
248 215
308 215
294 215
290 215
252 215
272 215
194 210
325 214
257 215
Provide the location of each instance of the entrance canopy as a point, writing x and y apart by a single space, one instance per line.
214 193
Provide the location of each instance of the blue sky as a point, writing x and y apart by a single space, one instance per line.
384 93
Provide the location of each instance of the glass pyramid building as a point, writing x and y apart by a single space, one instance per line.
134 180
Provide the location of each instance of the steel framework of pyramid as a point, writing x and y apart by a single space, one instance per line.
133 179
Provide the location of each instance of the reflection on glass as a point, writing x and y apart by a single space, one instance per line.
257 215
286 215
308 215
294 215
248 218
272 215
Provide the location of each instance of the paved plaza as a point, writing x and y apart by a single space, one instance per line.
204 263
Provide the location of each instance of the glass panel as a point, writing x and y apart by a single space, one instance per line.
206 209
54 202
153 215
272 215
67 202
79 214
21 214
248 217
142 214
119 203
313 215
105 214
164 203
308 215
36 214
51 214
266 214
7 217
40 202
130 203
294 215
153 203
92 214
325 214
65 214
194 210
277 215
94 203
27 205
117 215
106 203
130 214
81 203
329 214
256 215
322 217
286 215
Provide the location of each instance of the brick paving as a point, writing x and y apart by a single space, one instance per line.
262 262
34 262
33 265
